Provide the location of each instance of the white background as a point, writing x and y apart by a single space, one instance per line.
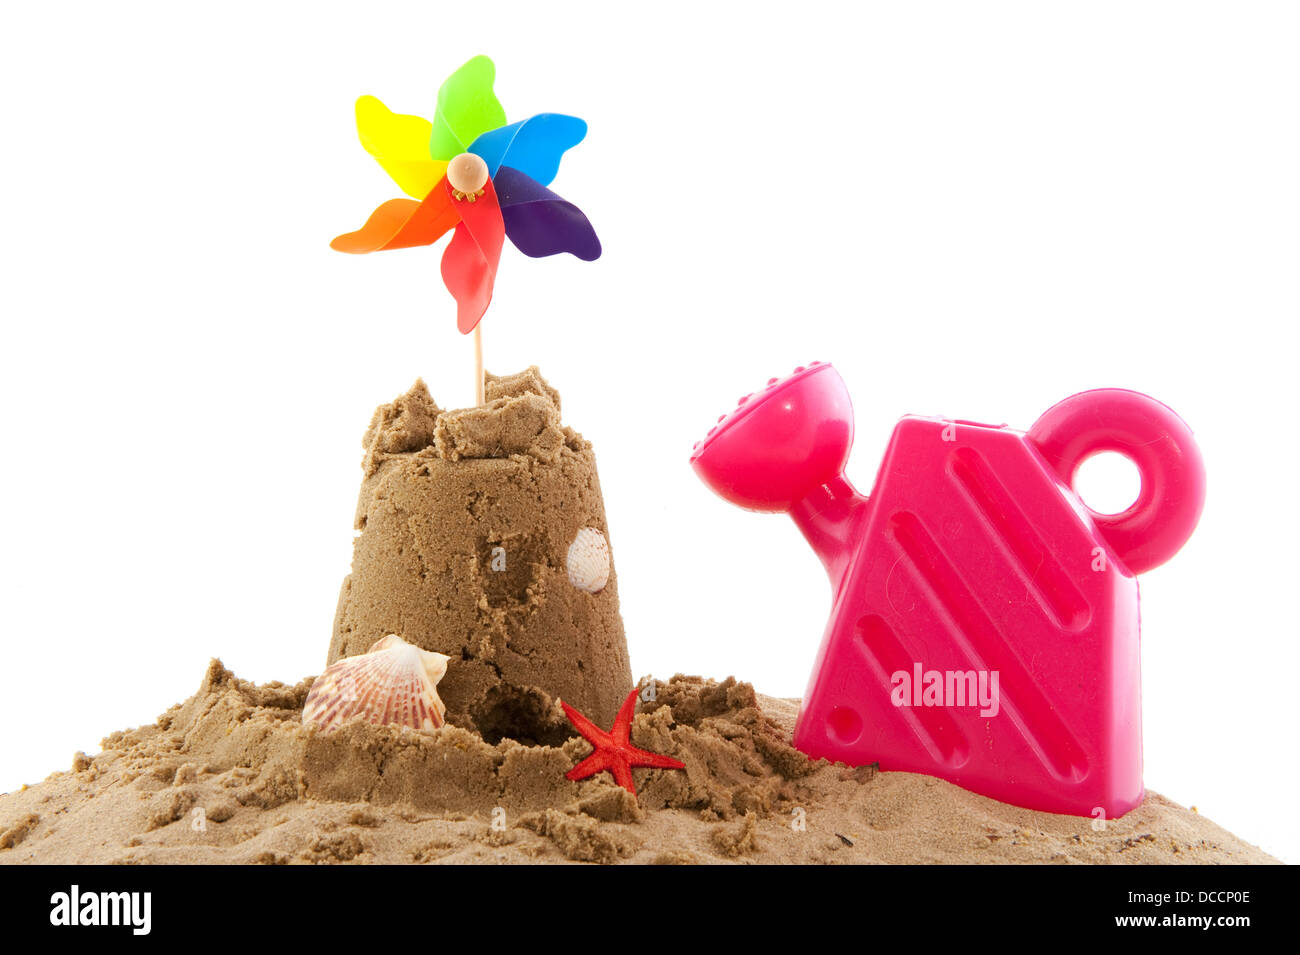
974 210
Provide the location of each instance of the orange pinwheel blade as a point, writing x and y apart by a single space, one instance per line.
402 224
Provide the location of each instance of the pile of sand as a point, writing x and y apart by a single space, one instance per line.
232 776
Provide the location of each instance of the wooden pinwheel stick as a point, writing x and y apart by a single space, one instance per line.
467 174
478 365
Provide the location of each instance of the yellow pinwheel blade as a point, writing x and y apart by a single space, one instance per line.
400 143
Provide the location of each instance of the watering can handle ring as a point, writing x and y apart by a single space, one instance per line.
1157 441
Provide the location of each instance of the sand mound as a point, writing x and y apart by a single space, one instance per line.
466 520
232 776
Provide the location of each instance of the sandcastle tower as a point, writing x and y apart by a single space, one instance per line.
483 536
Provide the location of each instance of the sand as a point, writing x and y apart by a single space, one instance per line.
232 776
465 520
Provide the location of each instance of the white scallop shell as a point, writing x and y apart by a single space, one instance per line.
588 561
393 682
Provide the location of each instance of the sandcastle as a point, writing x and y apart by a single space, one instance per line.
482 535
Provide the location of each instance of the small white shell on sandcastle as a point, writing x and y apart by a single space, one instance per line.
393 682
588 561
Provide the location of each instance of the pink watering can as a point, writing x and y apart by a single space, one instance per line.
984 624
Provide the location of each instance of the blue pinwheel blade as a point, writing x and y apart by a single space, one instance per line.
533 146
539 222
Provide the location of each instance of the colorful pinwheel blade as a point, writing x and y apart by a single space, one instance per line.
402 223
400 143
467 108
539 222
533 146
469 266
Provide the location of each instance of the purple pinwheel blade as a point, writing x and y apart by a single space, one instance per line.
539 222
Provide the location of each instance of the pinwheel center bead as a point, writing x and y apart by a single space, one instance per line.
467 174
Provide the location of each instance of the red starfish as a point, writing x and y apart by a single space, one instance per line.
613 750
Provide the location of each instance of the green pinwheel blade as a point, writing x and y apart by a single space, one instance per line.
467 108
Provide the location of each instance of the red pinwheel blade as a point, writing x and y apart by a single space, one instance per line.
469 266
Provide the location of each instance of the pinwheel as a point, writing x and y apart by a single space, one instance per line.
469 172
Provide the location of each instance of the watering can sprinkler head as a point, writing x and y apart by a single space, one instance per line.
783 449
781 442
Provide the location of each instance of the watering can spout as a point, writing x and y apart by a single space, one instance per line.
828 517
784 449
